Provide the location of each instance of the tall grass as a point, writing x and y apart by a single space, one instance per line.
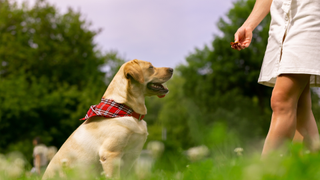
296 164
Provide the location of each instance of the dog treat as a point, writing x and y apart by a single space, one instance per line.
235 45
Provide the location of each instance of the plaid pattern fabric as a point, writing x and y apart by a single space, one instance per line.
110 109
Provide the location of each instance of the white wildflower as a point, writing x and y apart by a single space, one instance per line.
143 167
156 148
198 153
19 162
238 150
14 171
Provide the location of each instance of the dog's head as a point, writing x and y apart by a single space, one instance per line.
135 80
147 78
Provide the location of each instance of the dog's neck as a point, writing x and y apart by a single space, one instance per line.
122 91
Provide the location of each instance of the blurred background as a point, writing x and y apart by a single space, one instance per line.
58 57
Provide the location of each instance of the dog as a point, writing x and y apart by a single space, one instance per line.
113 142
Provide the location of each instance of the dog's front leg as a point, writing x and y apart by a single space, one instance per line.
111 150
111 162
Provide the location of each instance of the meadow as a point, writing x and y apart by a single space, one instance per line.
237 164
214 100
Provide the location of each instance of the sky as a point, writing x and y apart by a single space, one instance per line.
163 32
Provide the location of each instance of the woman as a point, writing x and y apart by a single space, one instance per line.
290 64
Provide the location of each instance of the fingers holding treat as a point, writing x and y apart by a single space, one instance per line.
235 45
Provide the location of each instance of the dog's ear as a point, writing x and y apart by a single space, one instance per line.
132 69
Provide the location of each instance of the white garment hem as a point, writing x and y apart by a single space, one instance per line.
314 79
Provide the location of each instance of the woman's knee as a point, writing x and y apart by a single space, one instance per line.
288 90
281 102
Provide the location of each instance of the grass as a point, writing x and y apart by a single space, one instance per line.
296 164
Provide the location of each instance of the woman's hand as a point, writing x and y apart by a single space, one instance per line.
243 38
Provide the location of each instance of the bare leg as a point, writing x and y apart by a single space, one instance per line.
284 103
306 124
297 137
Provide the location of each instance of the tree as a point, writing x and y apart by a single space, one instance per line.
218 88
50 73
222 78
216 99
220 69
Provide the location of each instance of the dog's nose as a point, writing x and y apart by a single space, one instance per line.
170 70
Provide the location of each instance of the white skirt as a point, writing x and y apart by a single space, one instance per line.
294 41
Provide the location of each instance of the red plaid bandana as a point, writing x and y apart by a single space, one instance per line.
110 109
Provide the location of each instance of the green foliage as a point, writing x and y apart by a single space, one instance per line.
220 84
173 115
212 72
295 164
217 92
50 73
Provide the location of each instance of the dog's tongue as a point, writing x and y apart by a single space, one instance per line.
161 96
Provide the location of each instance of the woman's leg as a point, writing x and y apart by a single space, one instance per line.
284 103
306 124
297 137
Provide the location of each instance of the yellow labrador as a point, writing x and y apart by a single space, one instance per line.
114 143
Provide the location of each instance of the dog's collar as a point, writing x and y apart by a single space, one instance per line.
138 116
111 109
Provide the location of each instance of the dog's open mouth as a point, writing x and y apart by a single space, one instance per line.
159 88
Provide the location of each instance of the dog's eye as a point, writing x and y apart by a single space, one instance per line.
150 67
